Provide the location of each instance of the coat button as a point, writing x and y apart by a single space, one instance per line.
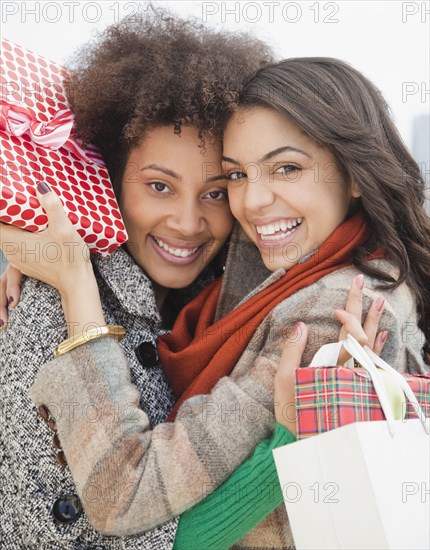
147 354
67 509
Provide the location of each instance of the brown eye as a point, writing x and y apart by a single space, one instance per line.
217 195
287 169
159 187
234 176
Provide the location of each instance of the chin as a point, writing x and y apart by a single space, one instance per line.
275 264
270 264
173 282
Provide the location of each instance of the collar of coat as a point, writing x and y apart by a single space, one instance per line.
129 283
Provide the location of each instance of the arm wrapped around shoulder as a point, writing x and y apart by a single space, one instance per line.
131 478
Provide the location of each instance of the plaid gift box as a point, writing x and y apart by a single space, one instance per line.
37 143
330 397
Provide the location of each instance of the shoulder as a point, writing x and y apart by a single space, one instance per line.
39 304
342 278
35 327
315 305
332 290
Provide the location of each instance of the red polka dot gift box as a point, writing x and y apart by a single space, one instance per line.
37 143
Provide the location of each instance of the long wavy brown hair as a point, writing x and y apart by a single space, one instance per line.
344 112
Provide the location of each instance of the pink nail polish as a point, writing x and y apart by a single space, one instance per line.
379 304
295 329
384 336
359 281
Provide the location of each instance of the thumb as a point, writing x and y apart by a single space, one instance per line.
51 203
293 351
284 399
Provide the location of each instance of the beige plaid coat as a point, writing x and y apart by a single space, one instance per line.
148 476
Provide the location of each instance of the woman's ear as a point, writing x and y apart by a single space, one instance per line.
355 191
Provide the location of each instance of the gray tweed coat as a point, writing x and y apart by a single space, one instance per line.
30 479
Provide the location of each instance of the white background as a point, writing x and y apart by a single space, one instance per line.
387 40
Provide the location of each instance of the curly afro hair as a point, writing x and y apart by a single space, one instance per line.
157 69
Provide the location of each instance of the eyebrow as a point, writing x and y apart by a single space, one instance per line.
173 174
271 154
166 171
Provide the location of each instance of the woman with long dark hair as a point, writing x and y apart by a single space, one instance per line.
345 114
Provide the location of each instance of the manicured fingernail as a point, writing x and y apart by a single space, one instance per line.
43 188
384 335
379 304
10 300
337 308
1 323
359 281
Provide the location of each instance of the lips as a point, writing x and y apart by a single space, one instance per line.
176 252
180 252
271 229
278 234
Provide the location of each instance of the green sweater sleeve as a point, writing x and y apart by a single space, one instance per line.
250 494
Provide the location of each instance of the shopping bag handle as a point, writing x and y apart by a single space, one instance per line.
403 384
328 355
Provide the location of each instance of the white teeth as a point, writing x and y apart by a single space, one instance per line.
270 229
274 237
180 252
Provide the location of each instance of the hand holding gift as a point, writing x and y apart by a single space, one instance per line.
350 317
371 474
38 144
70 270
65 261
364 473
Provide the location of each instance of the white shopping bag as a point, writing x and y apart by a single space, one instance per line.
361 486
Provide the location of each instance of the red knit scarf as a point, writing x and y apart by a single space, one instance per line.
198 353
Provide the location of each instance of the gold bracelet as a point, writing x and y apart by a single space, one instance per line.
91 334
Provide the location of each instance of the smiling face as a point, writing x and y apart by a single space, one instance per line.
285 190
174 204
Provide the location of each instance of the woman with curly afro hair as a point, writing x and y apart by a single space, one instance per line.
154 93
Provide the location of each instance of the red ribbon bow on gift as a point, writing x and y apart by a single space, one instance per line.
19 119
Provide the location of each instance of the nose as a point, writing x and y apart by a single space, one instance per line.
258 194
187 218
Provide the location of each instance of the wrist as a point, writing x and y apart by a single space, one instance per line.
78 283
82 305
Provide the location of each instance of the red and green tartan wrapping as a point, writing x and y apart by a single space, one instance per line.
330 397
